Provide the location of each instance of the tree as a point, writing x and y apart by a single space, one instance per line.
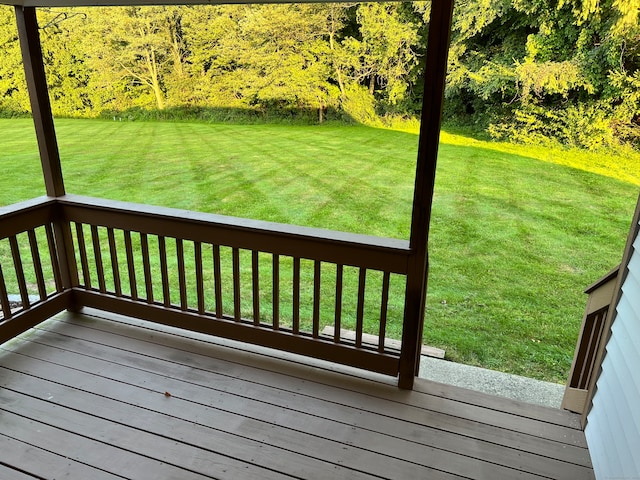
67 72
262 56
14 98
544 69
132 50
526 70
384 49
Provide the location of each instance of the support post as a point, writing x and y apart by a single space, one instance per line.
45 133
39 97
434 81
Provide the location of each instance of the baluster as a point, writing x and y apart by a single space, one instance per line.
82 250
4 298
197 248
131 268
255 267
236 284
360 312
37 264
97 253
296 295
384 302
164 271
217 275
316 299
338 312
596 335
182 281
55 265
17 264
146 266
276 291
113 252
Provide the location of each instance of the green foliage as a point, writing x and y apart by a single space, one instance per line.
360 105
68 75
535 79
240 116
384 49
548 71
586 126
537 71
626 118
13 89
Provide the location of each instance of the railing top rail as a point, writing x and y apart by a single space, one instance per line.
22 216
339 247
20 207
602 281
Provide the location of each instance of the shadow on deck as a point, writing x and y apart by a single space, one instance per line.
96 395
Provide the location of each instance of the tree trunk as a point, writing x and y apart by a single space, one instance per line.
152 65
335 64
159 94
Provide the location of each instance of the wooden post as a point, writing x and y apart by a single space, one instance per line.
39 96
591 334
45 134
434 81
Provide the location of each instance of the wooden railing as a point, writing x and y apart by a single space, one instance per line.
31 286
592 334
269 284
263 283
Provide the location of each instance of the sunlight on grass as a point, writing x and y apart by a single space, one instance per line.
517 232
620 166
623 165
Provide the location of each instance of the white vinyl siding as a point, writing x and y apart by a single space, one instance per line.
613 428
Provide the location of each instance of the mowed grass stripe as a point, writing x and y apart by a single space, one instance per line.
514 239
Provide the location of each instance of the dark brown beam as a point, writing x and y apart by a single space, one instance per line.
39 96
45 133
434 81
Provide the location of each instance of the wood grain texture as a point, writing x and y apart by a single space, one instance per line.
168 402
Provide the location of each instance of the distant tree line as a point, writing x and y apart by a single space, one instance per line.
525 70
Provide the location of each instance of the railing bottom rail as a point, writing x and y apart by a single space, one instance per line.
366 359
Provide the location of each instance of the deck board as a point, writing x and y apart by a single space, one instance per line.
13 474
178 402
438 437
35 462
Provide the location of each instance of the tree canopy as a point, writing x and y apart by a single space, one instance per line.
529 71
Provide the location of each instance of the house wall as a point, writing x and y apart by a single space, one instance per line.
613 424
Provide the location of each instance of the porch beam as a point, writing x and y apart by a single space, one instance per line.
32 59
39 97
434 81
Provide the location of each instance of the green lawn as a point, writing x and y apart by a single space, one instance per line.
517 232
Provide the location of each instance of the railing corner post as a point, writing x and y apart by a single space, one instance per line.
65 251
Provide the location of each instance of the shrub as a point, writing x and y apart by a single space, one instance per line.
585 125
360 105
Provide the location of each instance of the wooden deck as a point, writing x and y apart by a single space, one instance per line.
84 397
